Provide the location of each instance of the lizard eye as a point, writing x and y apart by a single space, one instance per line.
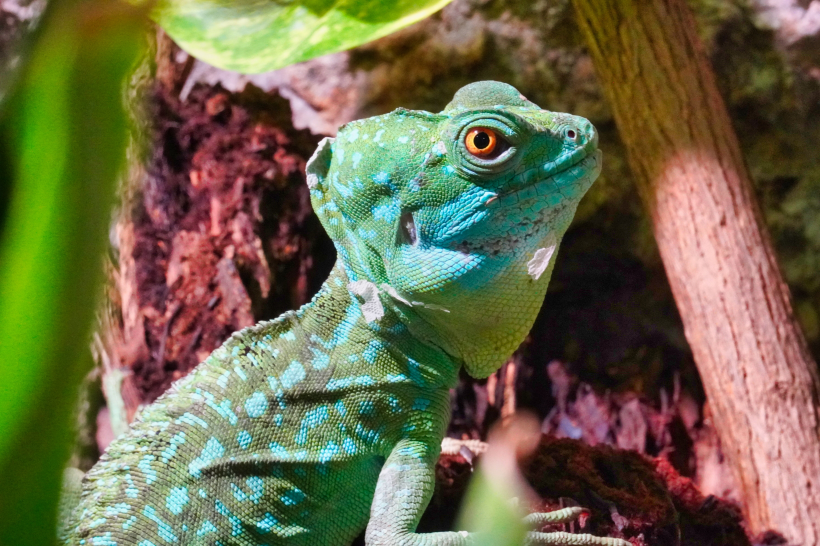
481 141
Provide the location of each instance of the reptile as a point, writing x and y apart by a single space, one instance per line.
328 420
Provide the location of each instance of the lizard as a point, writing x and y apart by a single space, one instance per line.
328 420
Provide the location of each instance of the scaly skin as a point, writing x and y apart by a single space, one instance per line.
302 429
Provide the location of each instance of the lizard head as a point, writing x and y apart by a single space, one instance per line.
456 217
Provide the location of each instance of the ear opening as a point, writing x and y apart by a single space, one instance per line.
319 164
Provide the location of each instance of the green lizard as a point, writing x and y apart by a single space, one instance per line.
309 428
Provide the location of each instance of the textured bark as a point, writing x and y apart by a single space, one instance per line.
759 377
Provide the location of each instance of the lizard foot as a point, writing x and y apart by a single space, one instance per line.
561 538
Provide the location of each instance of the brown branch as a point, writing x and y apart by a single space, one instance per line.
762 384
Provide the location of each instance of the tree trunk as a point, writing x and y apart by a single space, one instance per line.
761 382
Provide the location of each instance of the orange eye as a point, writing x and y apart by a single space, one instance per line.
481 141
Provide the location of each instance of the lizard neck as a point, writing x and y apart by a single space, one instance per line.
351 328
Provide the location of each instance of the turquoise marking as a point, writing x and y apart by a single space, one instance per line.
205 528
266 524
176 500
213 450
256 405
294 374
244 439
349 446
149 473
236 523
279 451
292 497
257 487
168 453
238 494
191 419
312 419
164 530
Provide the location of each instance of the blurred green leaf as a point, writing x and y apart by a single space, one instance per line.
489 512
64 134
258 35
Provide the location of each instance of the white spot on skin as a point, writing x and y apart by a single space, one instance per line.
440 148
372 308
541 260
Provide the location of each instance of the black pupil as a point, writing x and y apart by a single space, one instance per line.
481 140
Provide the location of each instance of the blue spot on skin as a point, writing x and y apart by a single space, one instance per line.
131 491
312 419
244 439
238 494
292 497
169 452
212 451
366 407
292 375
223 408
223 380
191 419
267 523
321 359
256 405
205 528
279 451
257 487
128 523
117 509
403 139
356 158
372 350
290 336
176 500
328 452
349 446
421 404
149 473
382 179
340 408
386 212
146 543
164 531
103 541
236 523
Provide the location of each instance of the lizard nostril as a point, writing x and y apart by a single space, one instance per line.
571 134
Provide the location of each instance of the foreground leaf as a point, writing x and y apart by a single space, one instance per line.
259 35
64 136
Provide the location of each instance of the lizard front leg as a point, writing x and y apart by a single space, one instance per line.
403 491
405 487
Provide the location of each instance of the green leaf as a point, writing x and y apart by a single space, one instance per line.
64 136
488 512
259 35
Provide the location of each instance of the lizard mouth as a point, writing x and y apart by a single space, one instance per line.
574 180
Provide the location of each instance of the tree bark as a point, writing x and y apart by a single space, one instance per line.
760 379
